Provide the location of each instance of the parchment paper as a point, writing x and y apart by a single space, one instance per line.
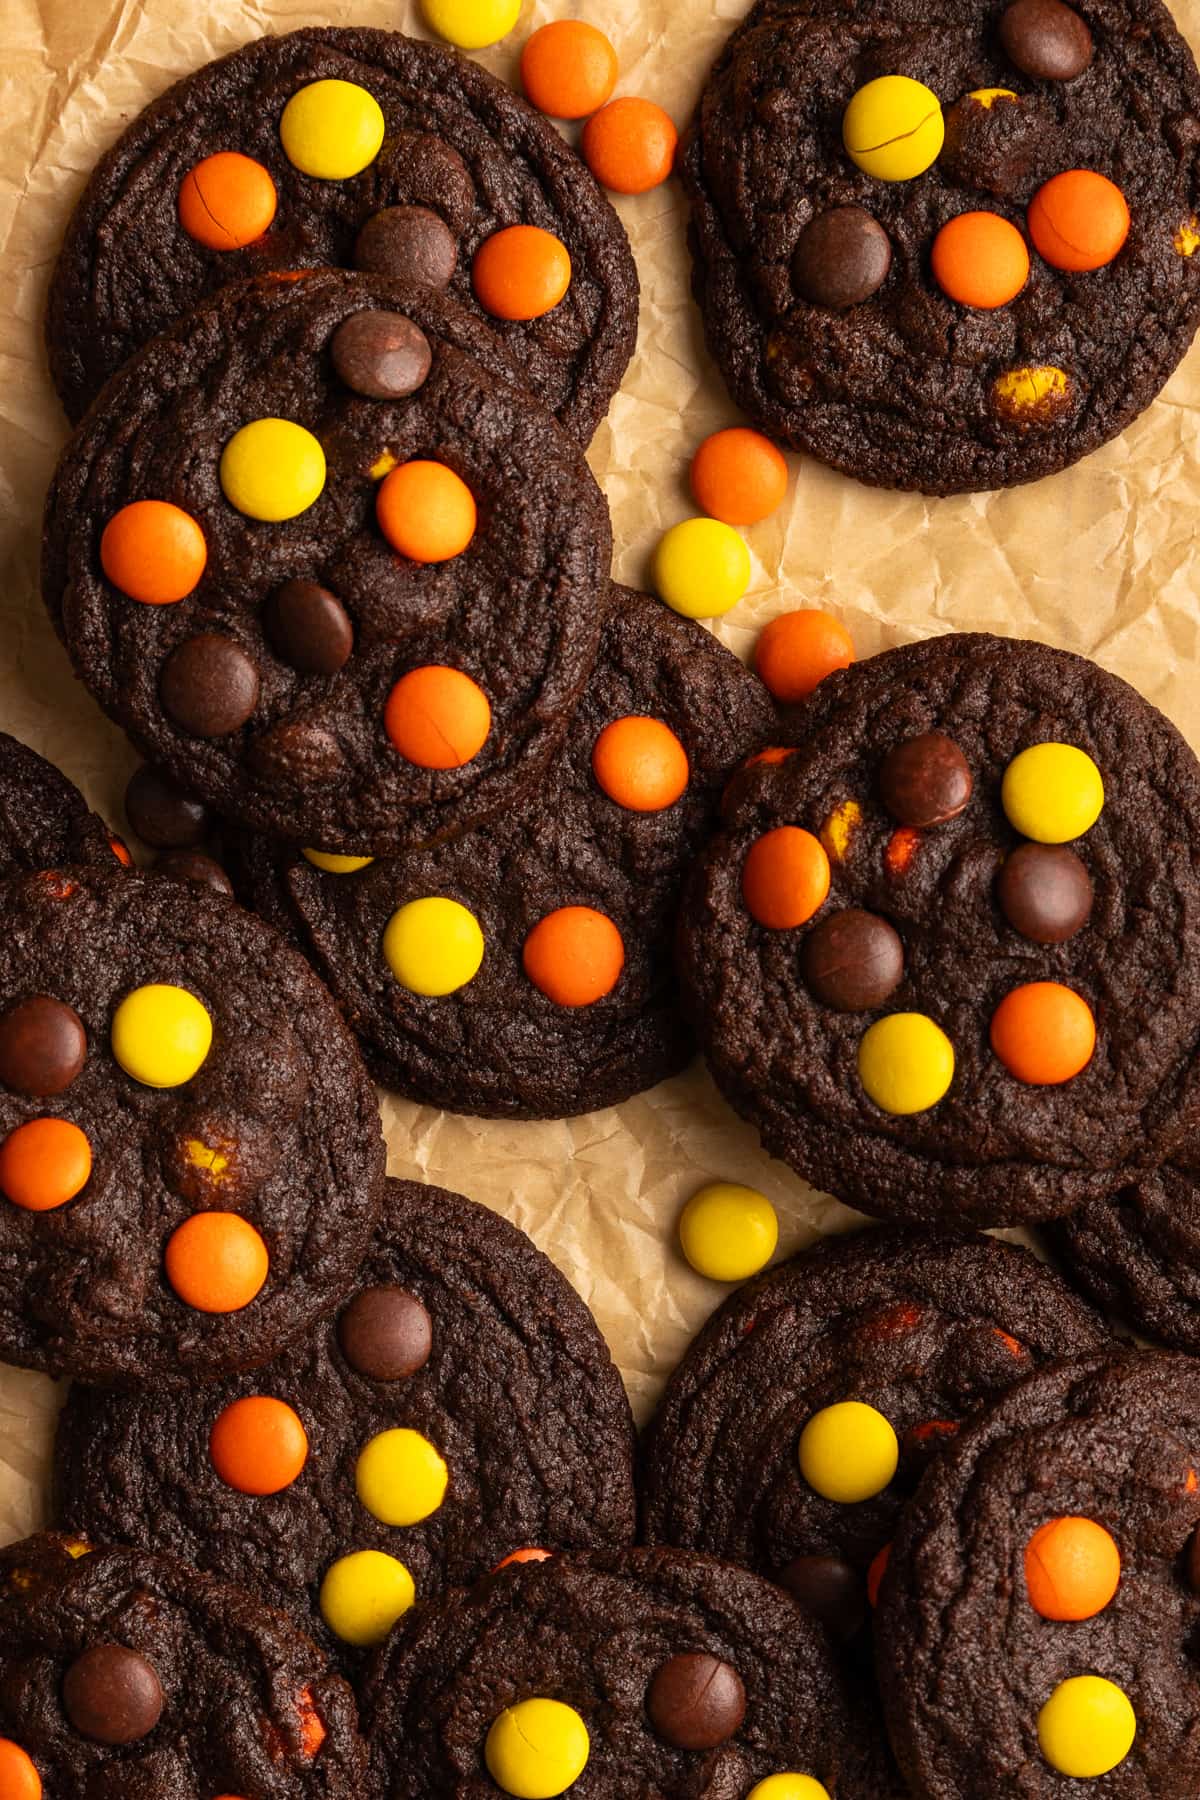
1100 560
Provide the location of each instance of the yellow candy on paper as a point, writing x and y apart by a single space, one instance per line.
728 1232
789 1787
1052 793
433 946
471 24
161 1035
905 1063
893 128
272 469
536 1749
333 864
332 129
1087 1727
363 1595
848 1452
701 568
400 1477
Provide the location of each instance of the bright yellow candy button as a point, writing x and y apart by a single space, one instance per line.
332 129
893 128
333 864
1052 793
905 1062
400 1478
536 1749
848 1452
728 1232
272 469
789 1787
701 568
363 1595
433 946
1086 1727
161 1035
471 24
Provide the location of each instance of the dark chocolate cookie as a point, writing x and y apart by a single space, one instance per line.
1010 1667
317 681
973 1026
190 1153
125 1676
816 277
621 815
44 820
463 1370
462 158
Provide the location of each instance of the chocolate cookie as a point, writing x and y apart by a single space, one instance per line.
946 957
671 1674
124 1674
829 310
44 820
462 1407
452 157
190 1154
356 664
1037 1624
619 818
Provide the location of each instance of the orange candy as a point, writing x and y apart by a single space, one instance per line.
770 757
785 878
153 551
1043 1033
44 1163
216 1262
521 273
120 850
1072 1569
640 764
437 717
568 69
426 512
796 651
980 260
738 476
876 1573
522 1556
574 955
1078 221
19 1780
227 201
630 146
312 1726
258 1445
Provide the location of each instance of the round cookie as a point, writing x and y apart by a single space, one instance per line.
190 1153
816 273
917 1099
462 154
124 1674
44 820
458 1330
611 1636
464 664
497 1044
974 1624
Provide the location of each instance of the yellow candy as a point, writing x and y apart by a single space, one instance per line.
848 1452
702 568
161 1035
363 1595
893 128
433 946
1086 1727
331 129
272 469
536 1749
906 1063
1052 793
471 24
987 97
400 1478
728 1232
334 864
789 1787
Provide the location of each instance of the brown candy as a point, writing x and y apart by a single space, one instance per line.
386 1333
308 627
208 685
112 1695
830 1591
1045 892
298 751
696 1701
410 242
161 813
925 781
853 960
43 1046
1046 39
193 865
381 355
842 258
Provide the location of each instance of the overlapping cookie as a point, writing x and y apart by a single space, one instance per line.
44 820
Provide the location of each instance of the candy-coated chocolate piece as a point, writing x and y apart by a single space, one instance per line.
112 1695
44 1163
640 764
412 243
738 476
43 1046
728 1232
154 552
471 24
1078 220
161 1034
980 260
437 717
426 512
216 1262
789 1786
363 1594
925 780
1045 892
696 1701
848 1452
1072 1569
797 650
272 469
258 1445
1046 39
905 1063
537 1749
193 865
227 201
843 257
161 813
381 355
630 145
568 69
19 1779
893 128
433 946
332 129
785 878
1043 1033
574 955
1052 793
333 864
308 627
853 960
521 273
209 685
830 1590
1086 1727
701 568
400 1477
386 1333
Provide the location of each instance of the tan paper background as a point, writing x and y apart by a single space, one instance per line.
1100 560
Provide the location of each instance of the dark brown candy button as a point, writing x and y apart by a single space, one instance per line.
830 1591
298 751
208 685
193 865
843 257
925 781
696 1701
308 627
1045 892
386 1333
112 1694
852 961
381 355
161 813
1046 39
43 1046
410 242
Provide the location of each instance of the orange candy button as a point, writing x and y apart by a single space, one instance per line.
227 201
216 1262
630 146
426 512
738 476
785 878
521 273
1078 221
980 260
522 1556
640 764
568 69
575 956
44 1163
1043 1033
153 551
258 1445
19 1780
1072 1569
437 717
796 651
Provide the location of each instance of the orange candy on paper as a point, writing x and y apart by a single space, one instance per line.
980 260
153 551
640 764
738 476
437 717
1072 1569
630 146
44 1163
216 1262
227 201
19 1779
1078 221
568 69
785 878
522 272
796 651
1043 1033
426 512
258 1445
574 955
